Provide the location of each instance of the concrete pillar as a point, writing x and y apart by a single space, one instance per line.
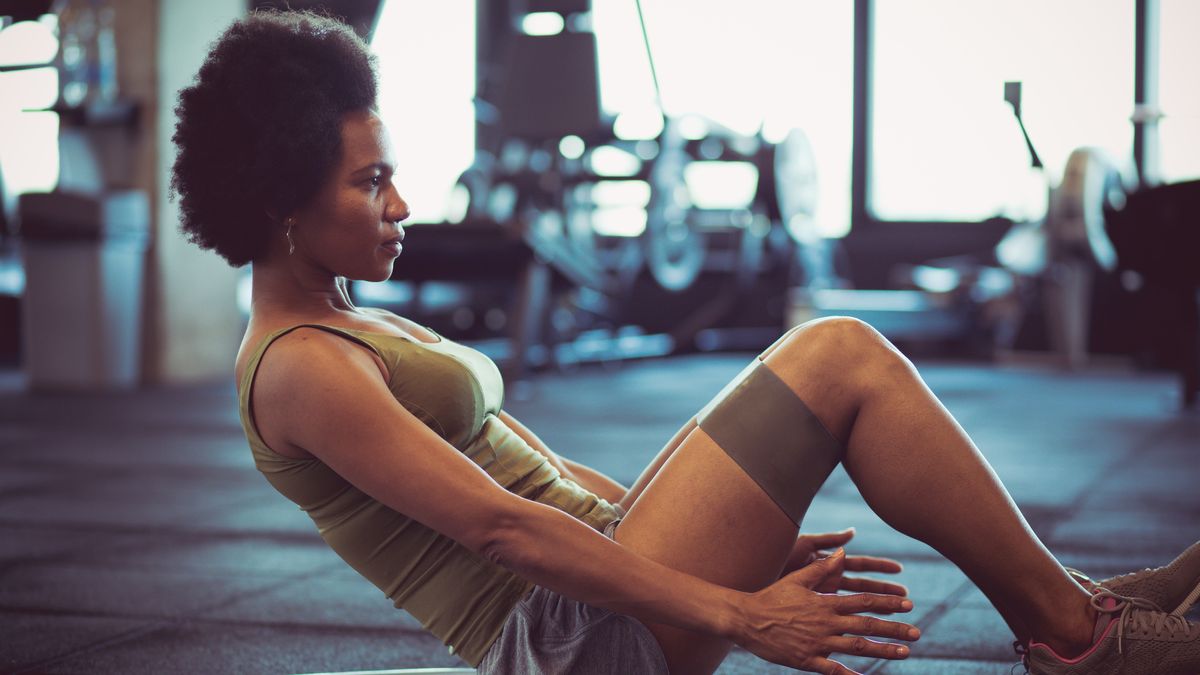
193 327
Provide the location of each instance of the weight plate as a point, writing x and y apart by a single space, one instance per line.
796 186
674 249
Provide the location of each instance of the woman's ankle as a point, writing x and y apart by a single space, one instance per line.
1072 634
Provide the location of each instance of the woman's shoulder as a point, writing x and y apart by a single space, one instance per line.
293 340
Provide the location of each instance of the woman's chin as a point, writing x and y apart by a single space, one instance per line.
372 275
382 275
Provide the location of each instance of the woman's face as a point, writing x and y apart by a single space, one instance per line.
352 226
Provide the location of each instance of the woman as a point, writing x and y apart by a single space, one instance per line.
394 442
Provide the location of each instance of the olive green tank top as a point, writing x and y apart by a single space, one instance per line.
460 597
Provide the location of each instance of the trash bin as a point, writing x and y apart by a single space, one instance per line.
82 308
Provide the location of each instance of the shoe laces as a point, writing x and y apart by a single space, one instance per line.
1022 651
1140 616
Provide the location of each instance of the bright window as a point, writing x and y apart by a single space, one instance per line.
1179 94
28 140
426 84
945 145
780 63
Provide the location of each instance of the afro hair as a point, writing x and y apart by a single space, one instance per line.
259 130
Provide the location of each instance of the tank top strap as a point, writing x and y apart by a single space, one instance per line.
252 366
256 358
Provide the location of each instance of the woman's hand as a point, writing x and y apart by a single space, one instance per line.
809 548
791 624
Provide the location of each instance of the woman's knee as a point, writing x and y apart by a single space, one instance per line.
844 333
838 347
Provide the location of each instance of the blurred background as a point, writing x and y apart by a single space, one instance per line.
613 181
607 197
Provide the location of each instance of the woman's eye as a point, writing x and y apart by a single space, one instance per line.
376 181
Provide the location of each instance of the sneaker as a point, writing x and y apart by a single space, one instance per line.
1174 587
1133 637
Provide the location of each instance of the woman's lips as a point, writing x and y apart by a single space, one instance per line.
393 246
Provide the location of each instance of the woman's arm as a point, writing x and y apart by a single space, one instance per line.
588 478
591 479
806 551
328 397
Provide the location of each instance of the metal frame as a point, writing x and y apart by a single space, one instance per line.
1145 89
860 144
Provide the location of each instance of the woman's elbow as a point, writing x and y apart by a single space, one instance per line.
506 538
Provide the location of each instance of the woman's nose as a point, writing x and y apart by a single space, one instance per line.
398 210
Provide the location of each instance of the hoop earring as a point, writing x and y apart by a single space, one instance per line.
291 244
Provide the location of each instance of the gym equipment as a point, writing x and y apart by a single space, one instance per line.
549 93
1157 235
541 191
1064 249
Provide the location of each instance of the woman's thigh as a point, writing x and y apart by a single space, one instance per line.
702 514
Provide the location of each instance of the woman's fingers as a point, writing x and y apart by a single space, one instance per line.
825 666
866 563
871 563
861 646
858 603
873 626
828 539
792 625
865 585
813 575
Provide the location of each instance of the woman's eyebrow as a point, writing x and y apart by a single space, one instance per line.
384 167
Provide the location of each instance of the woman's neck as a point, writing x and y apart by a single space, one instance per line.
285 288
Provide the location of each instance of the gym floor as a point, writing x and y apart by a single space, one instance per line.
136 537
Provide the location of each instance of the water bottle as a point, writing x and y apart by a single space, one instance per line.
106 53
77 28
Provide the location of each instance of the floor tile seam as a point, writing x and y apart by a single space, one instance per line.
14 566
356 629
1003 667
234 598
266 589
101 481
158 529
47 428
980 665
160 621
119 638
1075 506
931 617
55 471
156 623
48 487
73 468
80 613
245 500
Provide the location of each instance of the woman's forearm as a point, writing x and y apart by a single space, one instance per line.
554 550
588 478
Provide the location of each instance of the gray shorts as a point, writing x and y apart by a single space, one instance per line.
548 634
